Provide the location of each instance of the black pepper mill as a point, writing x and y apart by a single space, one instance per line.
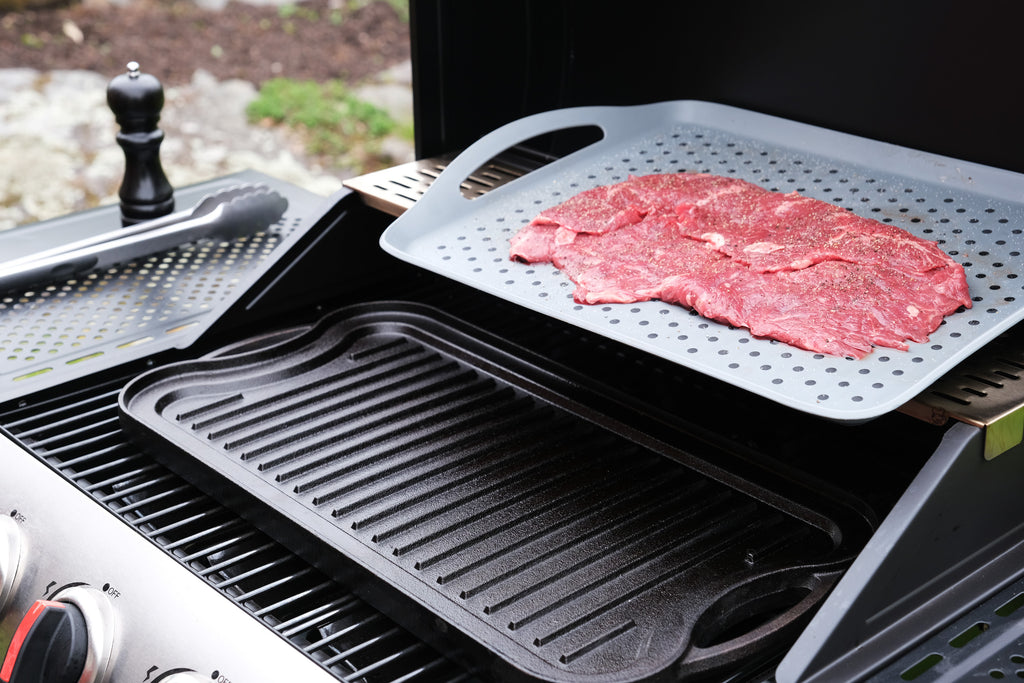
136 100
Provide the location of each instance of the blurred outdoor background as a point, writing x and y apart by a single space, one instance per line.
308 91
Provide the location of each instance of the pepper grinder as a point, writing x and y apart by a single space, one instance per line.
136 100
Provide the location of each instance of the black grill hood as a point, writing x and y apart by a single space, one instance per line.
924 75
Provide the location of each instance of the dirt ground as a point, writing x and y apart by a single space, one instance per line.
314 39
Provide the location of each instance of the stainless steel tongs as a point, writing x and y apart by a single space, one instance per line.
227 214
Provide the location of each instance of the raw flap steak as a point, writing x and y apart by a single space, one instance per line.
785 266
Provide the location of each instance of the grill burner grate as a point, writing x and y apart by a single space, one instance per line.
471 481
79 435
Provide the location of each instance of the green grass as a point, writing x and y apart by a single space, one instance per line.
334 123
401 7
336 16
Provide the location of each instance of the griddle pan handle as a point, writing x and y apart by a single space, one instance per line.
618 124
774 607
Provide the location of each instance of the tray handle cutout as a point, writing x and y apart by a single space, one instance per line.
444 200
511 164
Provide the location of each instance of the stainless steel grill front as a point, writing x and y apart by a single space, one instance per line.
78 434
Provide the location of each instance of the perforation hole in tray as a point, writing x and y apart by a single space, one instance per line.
974 230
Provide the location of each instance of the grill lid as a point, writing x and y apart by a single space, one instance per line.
496 496
970 210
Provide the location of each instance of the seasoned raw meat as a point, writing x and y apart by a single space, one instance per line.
770 231
787 267
534 242
631 263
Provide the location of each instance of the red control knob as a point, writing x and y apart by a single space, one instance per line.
50 645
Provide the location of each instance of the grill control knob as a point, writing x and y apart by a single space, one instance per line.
50 644
10 558
68 639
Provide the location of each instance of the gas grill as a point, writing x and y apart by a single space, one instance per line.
348 448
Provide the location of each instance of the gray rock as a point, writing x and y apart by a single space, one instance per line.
58 152
391 90
13 81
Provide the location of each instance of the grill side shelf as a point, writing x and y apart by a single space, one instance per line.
147 305
395 449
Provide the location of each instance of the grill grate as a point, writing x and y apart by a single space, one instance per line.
78 434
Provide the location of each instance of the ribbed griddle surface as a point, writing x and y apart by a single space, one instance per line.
493 495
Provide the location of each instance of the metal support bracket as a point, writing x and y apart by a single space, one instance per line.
954 538
985 391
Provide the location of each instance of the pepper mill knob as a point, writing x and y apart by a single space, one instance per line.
136 100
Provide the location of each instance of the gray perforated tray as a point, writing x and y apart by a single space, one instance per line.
60 331
975 213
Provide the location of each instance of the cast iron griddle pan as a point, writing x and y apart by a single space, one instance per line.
513 502
974 213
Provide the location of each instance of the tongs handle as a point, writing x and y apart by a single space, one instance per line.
227 214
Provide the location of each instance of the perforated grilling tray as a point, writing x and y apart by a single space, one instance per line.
974 213
516 503
60 331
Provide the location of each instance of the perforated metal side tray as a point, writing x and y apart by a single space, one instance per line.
973 212
523 507
60 331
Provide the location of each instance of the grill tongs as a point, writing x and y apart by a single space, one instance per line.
227 214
